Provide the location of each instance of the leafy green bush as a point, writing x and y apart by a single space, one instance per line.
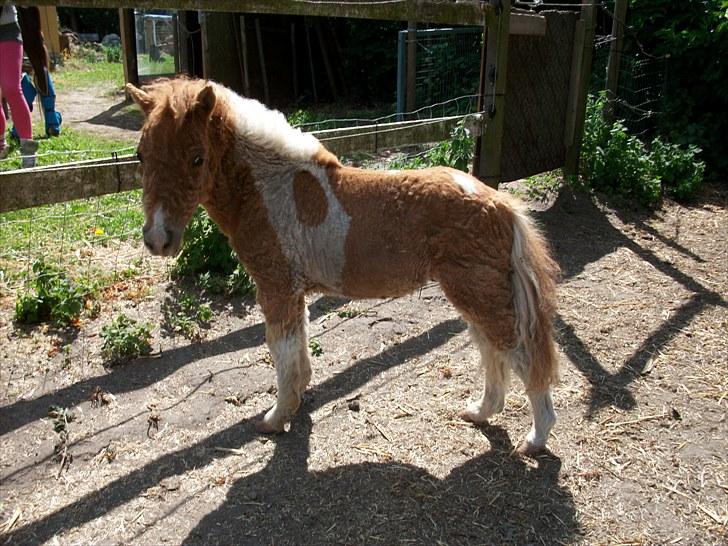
206 255
53 297
113 54
615 162
692 36
456 152
126 338
299 117
678 169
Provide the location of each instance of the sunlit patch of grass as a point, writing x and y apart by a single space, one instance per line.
70 145
81 74
92 221
147 67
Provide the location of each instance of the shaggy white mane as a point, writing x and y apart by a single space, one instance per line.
268 128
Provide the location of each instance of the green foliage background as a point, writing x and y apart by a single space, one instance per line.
618 163
693 36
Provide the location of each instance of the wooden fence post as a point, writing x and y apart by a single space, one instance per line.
579 87
615 57
128 46
487 160
411 87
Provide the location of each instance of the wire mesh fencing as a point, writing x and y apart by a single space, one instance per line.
447 66
641 84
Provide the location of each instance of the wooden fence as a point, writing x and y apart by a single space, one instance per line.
22 189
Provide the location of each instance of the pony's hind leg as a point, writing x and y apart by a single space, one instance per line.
304 360
497 378
544 415
286 336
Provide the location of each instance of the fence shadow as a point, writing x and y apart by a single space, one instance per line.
581 234
126 488
495 498
130 377
119 115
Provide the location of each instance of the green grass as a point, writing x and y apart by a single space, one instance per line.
71 145
147 67
93 221
67 230
81 74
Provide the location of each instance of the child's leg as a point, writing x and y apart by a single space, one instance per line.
11 57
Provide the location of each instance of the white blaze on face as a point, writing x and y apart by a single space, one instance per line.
156 236
465 182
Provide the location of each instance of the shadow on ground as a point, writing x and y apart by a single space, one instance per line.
580 234
126 488
119 115
495 498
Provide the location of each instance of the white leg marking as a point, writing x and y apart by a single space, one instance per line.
466 183
542 406
544 418
497 379
286 353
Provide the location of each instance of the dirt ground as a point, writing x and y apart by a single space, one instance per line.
377 455
102 111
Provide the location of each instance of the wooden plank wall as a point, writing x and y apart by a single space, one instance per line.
537 95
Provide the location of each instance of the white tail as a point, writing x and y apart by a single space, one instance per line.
534 292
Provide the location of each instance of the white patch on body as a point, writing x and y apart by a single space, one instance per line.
276 152
466 183
316 253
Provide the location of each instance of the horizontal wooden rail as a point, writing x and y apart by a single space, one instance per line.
372 138
431 11
43 186
447 12
28 188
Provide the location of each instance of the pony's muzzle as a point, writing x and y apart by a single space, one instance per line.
161 242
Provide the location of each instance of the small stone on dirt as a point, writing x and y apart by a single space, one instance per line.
170 484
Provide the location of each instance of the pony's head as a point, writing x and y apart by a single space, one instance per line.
174 152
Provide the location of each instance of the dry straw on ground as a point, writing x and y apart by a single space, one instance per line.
377 454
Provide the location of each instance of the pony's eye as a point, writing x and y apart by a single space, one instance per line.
197 161
139 156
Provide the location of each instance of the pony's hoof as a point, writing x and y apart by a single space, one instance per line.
266 428
527 449
472 417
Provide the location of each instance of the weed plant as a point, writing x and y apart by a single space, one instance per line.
186 315
125 338
53 297
206 256
456 152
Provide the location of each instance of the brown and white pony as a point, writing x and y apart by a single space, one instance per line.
301 222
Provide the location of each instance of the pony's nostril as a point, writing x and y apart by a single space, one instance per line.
147 244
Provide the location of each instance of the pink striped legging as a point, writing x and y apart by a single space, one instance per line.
11 59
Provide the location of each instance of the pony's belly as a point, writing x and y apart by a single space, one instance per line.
383 278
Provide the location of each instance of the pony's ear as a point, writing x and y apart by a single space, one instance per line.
141 97
205 102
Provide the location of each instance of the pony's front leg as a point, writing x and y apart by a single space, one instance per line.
286 336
